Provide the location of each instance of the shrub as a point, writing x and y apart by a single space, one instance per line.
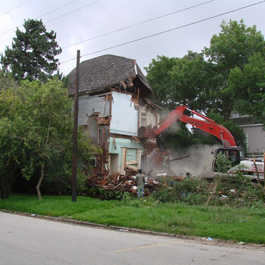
103 194
235 191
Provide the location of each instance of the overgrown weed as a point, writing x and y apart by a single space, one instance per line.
233 191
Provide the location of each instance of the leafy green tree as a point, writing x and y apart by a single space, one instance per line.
158 75
178 139
50 123
237 52
228 76
180 81
189 77
224 78
13 150
36 133
33 52
249 82
6 81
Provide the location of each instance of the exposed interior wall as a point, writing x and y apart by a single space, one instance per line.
129 154
93 105
124 118
148 116
94 115
113 119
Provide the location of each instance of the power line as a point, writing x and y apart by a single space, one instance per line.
169 30
73 11
140 23
55 18
37 17
14 8
57 9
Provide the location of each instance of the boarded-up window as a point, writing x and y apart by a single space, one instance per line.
132 160
131 155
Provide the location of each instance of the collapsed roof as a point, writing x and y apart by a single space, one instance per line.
107 71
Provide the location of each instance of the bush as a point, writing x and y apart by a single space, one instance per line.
81 187
102 194
224 190
240 190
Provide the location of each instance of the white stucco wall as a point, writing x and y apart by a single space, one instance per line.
124 118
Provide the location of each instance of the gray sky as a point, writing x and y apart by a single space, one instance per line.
81 20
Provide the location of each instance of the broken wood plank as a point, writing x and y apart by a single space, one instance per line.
131 162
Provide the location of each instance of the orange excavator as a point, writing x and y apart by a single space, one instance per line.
233 152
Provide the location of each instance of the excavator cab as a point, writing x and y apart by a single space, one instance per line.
234 154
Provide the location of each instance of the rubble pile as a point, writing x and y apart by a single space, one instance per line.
122 182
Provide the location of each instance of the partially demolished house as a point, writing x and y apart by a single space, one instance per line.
113 105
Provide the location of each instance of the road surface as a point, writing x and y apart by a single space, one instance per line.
28 240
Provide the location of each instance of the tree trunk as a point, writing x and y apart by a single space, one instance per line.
6 182
5 188
39 183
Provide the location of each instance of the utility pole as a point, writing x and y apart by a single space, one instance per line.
74 180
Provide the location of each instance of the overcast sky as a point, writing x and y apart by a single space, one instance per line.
186 26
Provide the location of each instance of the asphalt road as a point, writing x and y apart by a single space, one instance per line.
28 240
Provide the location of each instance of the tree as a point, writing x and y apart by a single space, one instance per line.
189 77
249 82
32 55
236 50
158 75
224 78
6 81
180 81
11 144
36 133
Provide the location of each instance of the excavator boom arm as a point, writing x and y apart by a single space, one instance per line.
206 125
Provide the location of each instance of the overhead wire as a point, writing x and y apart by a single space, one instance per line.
73 11
14 8
169 30
140 23
38 17
60 7
54 18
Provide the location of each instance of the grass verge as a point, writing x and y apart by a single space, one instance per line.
236 224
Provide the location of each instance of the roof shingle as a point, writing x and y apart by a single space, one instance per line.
105 71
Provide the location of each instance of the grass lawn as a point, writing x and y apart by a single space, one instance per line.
237 224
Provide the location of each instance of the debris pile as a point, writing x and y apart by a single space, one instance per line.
160 158
122 182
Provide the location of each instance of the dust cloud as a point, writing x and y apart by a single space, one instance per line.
198 162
